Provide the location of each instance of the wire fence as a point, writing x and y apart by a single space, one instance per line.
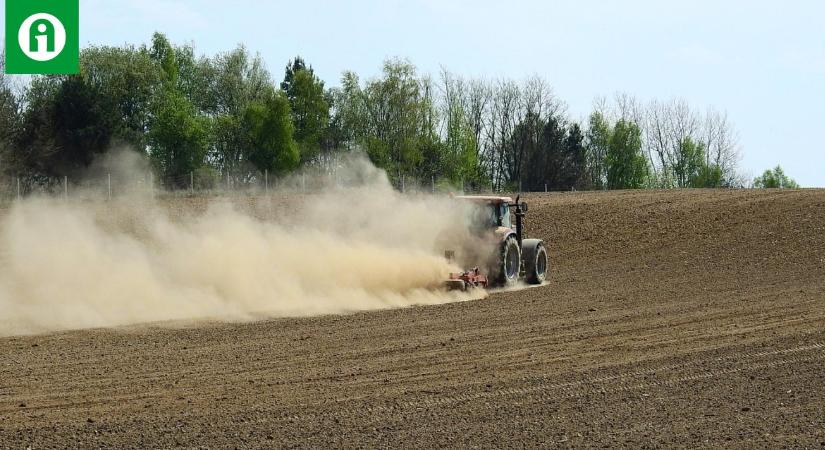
112 185
107 185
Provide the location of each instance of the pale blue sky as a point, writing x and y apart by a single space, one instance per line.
762 61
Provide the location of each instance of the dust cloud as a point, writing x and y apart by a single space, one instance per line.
70 264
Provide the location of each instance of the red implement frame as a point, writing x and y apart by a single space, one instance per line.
467 280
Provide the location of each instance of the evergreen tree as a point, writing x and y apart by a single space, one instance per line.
308 105
576 158
553 145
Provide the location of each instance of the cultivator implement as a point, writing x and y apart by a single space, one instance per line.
467 280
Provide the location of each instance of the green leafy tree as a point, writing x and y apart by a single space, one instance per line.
455 157
460 153
774 178
467 167
709 176
334 137
128 78
270 131
391 117
196 79
228 143
627 167
351 109
177 139
69 120
689 163
221 88
437 162
239 79
397 115
597 143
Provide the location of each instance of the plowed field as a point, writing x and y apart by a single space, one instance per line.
671 318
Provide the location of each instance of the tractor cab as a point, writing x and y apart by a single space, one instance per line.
494 213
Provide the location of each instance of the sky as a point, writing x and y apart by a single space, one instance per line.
761 61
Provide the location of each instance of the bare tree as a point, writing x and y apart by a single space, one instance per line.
721 144
657 140
453 92
628 108
477 102
505 113
666 127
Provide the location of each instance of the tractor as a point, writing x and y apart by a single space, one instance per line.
499 222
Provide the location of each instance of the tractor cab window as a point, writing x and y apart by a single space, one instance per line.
484 217
490 215
505 215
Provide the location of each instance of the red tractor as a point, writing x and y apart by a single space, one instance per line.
499 221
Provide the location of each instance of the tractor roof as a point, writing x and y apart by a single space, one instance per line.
485 199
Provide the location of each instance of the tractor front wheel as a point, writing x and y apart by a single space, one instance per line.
509 263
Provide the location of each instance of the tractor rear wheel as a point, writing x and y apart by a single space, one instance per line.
535 260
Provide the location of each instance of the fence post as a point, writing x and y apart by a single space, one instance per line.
109 177
545 187
18 188
266 181
66 186
432 182
304 183
192 181
403 188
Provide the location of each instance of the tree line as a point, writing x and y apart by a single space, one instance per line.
226 117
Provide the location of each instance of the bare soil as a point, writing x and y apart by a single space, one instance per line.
672 318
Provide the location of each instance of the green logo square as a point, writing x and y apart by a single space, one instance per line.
42 36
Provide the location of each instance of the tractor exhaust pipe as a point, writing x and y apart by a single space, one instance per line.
519 213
